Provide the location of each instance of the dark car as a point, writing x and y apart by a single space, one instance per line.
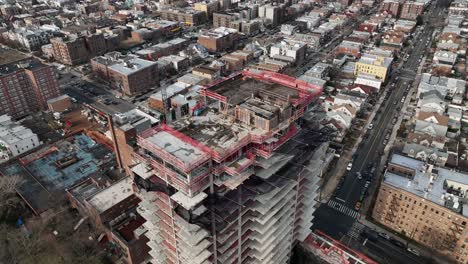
371 235
397 243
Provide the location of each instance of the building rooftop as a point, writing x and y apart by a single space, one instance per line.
84 190
218 32
12 132
130 66
171 90
177 147
11 56
56 167
376 60
444 187
112 195
68 161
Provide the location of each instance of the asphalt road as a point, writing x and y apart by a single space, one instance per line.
338 215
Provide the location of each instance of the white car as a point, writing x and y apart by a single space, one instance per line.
384 235
370 126
350 165
414 251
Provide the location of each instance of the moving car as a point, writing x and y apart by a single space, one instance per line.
371 126
357 207
350 165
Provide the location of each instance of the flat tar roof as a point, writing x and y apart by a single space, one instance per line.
180 149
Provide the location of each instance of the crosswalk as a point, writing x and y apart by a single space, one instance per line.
342 208
356 230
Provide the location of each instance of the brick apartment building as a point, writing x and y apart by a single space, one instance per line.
25 84
186 15
349 48
131 75
218 39
425 203
391 6
75 50
411 10
223 19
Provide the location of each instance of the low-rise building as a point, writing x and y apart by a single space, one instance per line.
377 66
15 139
129 74
432 102
428 154
350 48
294 51
446 86
433 124
113 209
218 39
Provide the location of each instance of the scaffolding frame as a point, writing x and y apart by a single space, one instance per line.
334 251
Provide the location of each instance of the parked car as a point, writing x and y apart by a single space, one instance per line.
414 251
371 126
358 175
397 243
367 184
384 235
350 165
387 136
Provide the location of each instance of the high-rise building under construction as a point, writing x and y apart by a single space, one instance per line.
237 179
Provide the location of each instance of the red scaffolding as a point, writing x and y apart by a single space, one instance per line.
307 93
333 251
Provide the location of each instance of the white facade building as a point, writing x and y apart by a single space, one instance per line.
15 139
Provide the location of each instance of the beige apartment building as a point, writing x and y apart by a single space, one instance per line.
427 204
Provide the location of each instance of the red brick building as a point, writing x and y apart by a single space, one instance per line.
391 6
25 84
77 50
411 10
219 39
130 75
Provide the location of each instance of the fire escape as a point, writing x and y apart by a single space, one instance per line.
393 209
453 235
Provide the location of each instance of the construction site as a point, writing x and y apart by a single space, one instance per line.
48 171
239 181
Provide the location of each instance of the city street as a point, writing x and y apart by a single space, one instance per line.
340 213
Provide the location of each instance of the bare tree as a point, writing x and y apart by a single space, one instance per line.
8 185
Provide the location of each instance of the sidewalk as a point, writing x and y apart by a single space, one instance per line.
339 170
426 252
